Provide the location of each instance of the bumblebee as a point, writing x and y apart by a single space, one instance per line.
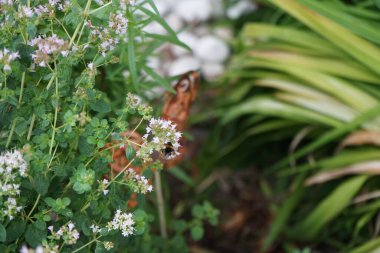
168 151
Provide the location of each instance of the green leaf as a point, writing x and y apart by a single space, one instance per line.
34 236
3 233
31 30
181 175
82 180
330 136
42 183
40 225
179 225
328 209
156 77
129 152
197 233
282 216
100 106
369 246
197 211
270 106
15 230
49 201
132 57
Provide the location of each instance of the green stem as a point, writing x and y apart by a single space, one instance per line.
31 127
88 4
89 243
34 206
51 81
108 148
19 104
101 7
11 133
134 130
113 180
55 119
160 204
121 172
22 88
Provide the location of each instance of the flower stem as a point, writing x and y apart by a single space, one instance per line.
121 172
11 133
101 7
84 246
55 118
160 204
34 206
31 127
19 104
22 88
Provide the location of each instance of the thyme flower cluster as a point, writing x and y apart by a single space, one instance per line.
67 233
117 26
159 134
139 184
134 103
48 48
25 249
13 167
6 57
123 222
103 186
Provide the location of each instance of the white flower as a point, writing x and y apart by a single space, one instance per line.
139 184
124 3
99 2
95 229
240 8
212 70
25 12
12 168
67 232
118 23
161 136
6 57
48 48
189 39
211 49
25 249
194 10
123 222
183 65
108 245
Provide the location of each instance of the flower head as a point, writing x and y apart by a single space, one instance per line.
161 135
6 57
67 233
48 48
123 222
12 168
139 184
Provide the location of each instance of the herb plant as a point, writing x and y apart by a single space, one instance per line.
58 130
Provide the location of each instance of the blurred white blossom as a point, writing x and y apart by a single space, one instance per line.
12 168
48 48
6 58
192 19
108 245
67 233
240 8
211 49
25 249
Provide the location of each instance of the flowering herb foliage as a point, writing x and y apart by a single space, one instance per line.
58 193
